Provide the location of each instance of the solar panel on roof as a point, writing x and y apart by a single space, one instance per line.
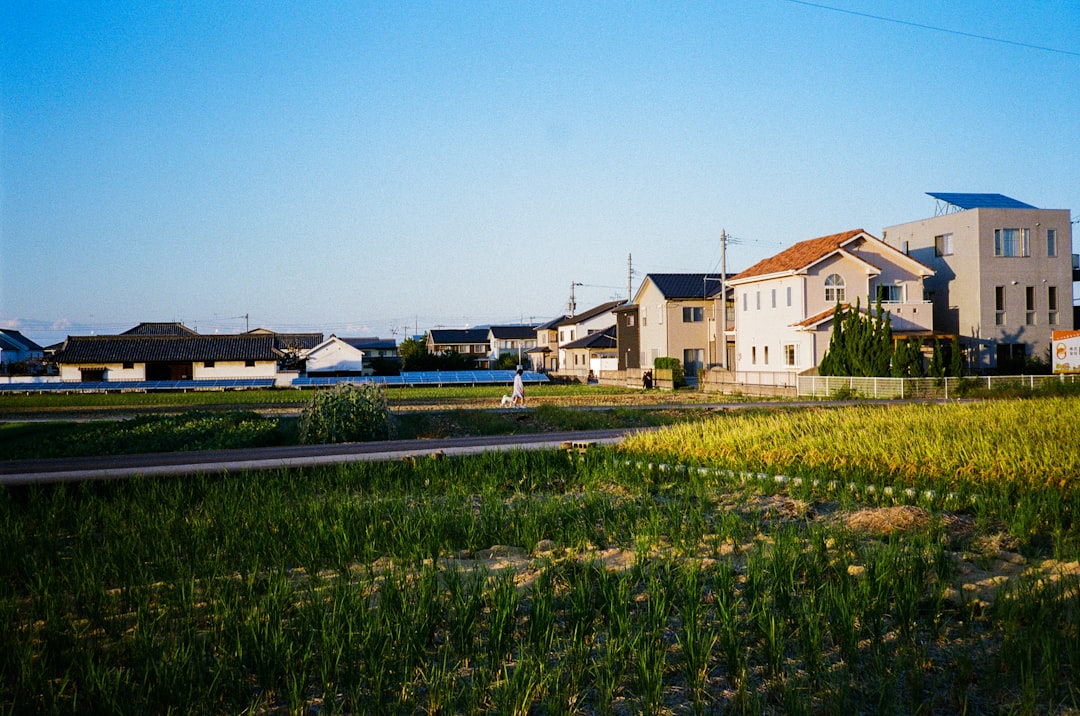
980 201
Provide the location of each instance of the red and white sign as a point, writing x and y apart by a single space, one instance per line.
1066 351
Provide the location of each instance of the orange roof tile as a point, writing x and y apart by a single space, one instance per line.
800 255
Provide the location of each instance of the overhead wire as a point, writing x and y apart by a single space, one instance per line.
924 26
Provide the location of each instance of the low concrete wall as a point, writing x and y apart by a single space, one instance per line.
716 380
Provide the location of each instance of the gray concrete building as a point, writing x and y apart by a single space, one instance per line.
1003 275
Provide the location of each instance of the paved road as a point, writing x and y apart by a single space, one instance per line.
21 472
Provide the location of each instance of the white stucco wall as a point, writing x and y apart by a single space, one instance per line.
335 355
233 369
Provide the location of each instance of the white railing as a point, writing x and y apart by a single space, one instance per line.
822 386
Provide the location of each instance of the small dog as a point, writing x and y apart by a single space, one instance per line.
506 402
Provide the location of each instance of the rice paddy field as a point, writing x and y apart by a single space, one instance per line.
903 559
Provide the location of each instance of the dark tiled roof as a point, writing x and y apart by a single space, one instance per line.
12 340
600 339
301 341
508 333
379 344
592 313
550 325
801 255
454 336
152 349
160 329
686 285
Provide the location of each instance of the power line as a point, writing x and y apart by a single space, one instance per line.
936 29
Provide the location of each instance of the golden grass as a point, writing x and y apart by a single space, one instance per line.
1032 442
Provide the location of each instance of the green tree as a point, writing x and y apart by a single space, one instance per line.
861 343
956 359
414 354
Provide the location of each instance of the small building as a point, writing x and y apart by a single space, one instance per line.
544 356
513 339
334 357
585 357
134 357
15 348
469 342
675 314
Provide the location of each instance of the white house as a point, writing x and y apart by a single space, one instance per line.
784 304
334 356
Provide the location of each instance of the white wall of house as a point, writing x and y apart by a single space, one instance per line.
113 371
767 338
652 324
222 370
335 355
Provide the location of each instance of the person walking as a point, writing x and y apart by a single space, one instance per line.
518 396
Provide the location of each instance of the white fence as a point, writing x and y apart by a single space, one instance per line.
822 386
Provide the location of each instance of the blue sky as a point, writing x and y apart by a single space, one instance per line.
372 168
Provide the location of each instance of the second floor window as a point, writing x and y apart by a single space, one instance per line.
834 289
1051 243
999 305
890 294
1011 242
693 314
943 245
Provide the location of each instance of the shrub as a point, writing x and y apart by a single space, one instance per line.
678 378
347 413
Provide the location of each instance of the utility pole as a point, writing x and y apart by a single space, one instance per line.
573 303
723 299
629 278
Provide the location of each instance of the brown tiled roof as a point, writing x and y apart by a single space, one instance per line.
801 255
819 317
151 349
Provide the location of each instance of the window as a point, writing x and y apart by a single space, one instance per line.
1029 305
208 364
1051 242
744 302
999 305
128 365
943 245
1011 242
693 314
1051 302
753 355
644 315
774 298
834 288
766 355
757 298
890 294
630 319
907 248
789 295
660 315
791 355
249 364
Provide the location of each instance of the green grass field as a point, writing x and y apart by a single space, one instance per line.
660 578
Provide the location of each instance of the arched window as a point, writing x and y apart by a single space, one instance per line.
834 288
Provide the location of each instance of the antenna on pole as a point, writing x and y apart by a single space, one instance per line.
573 302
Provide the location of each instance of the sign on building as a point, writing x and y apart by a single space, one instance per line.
1066 351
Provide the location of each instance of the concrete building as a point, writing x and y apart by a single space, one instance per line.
1002 275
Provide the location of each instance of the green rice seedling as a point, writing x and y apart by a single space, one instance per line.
515 692
541 618
697 641
502 607
466 605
